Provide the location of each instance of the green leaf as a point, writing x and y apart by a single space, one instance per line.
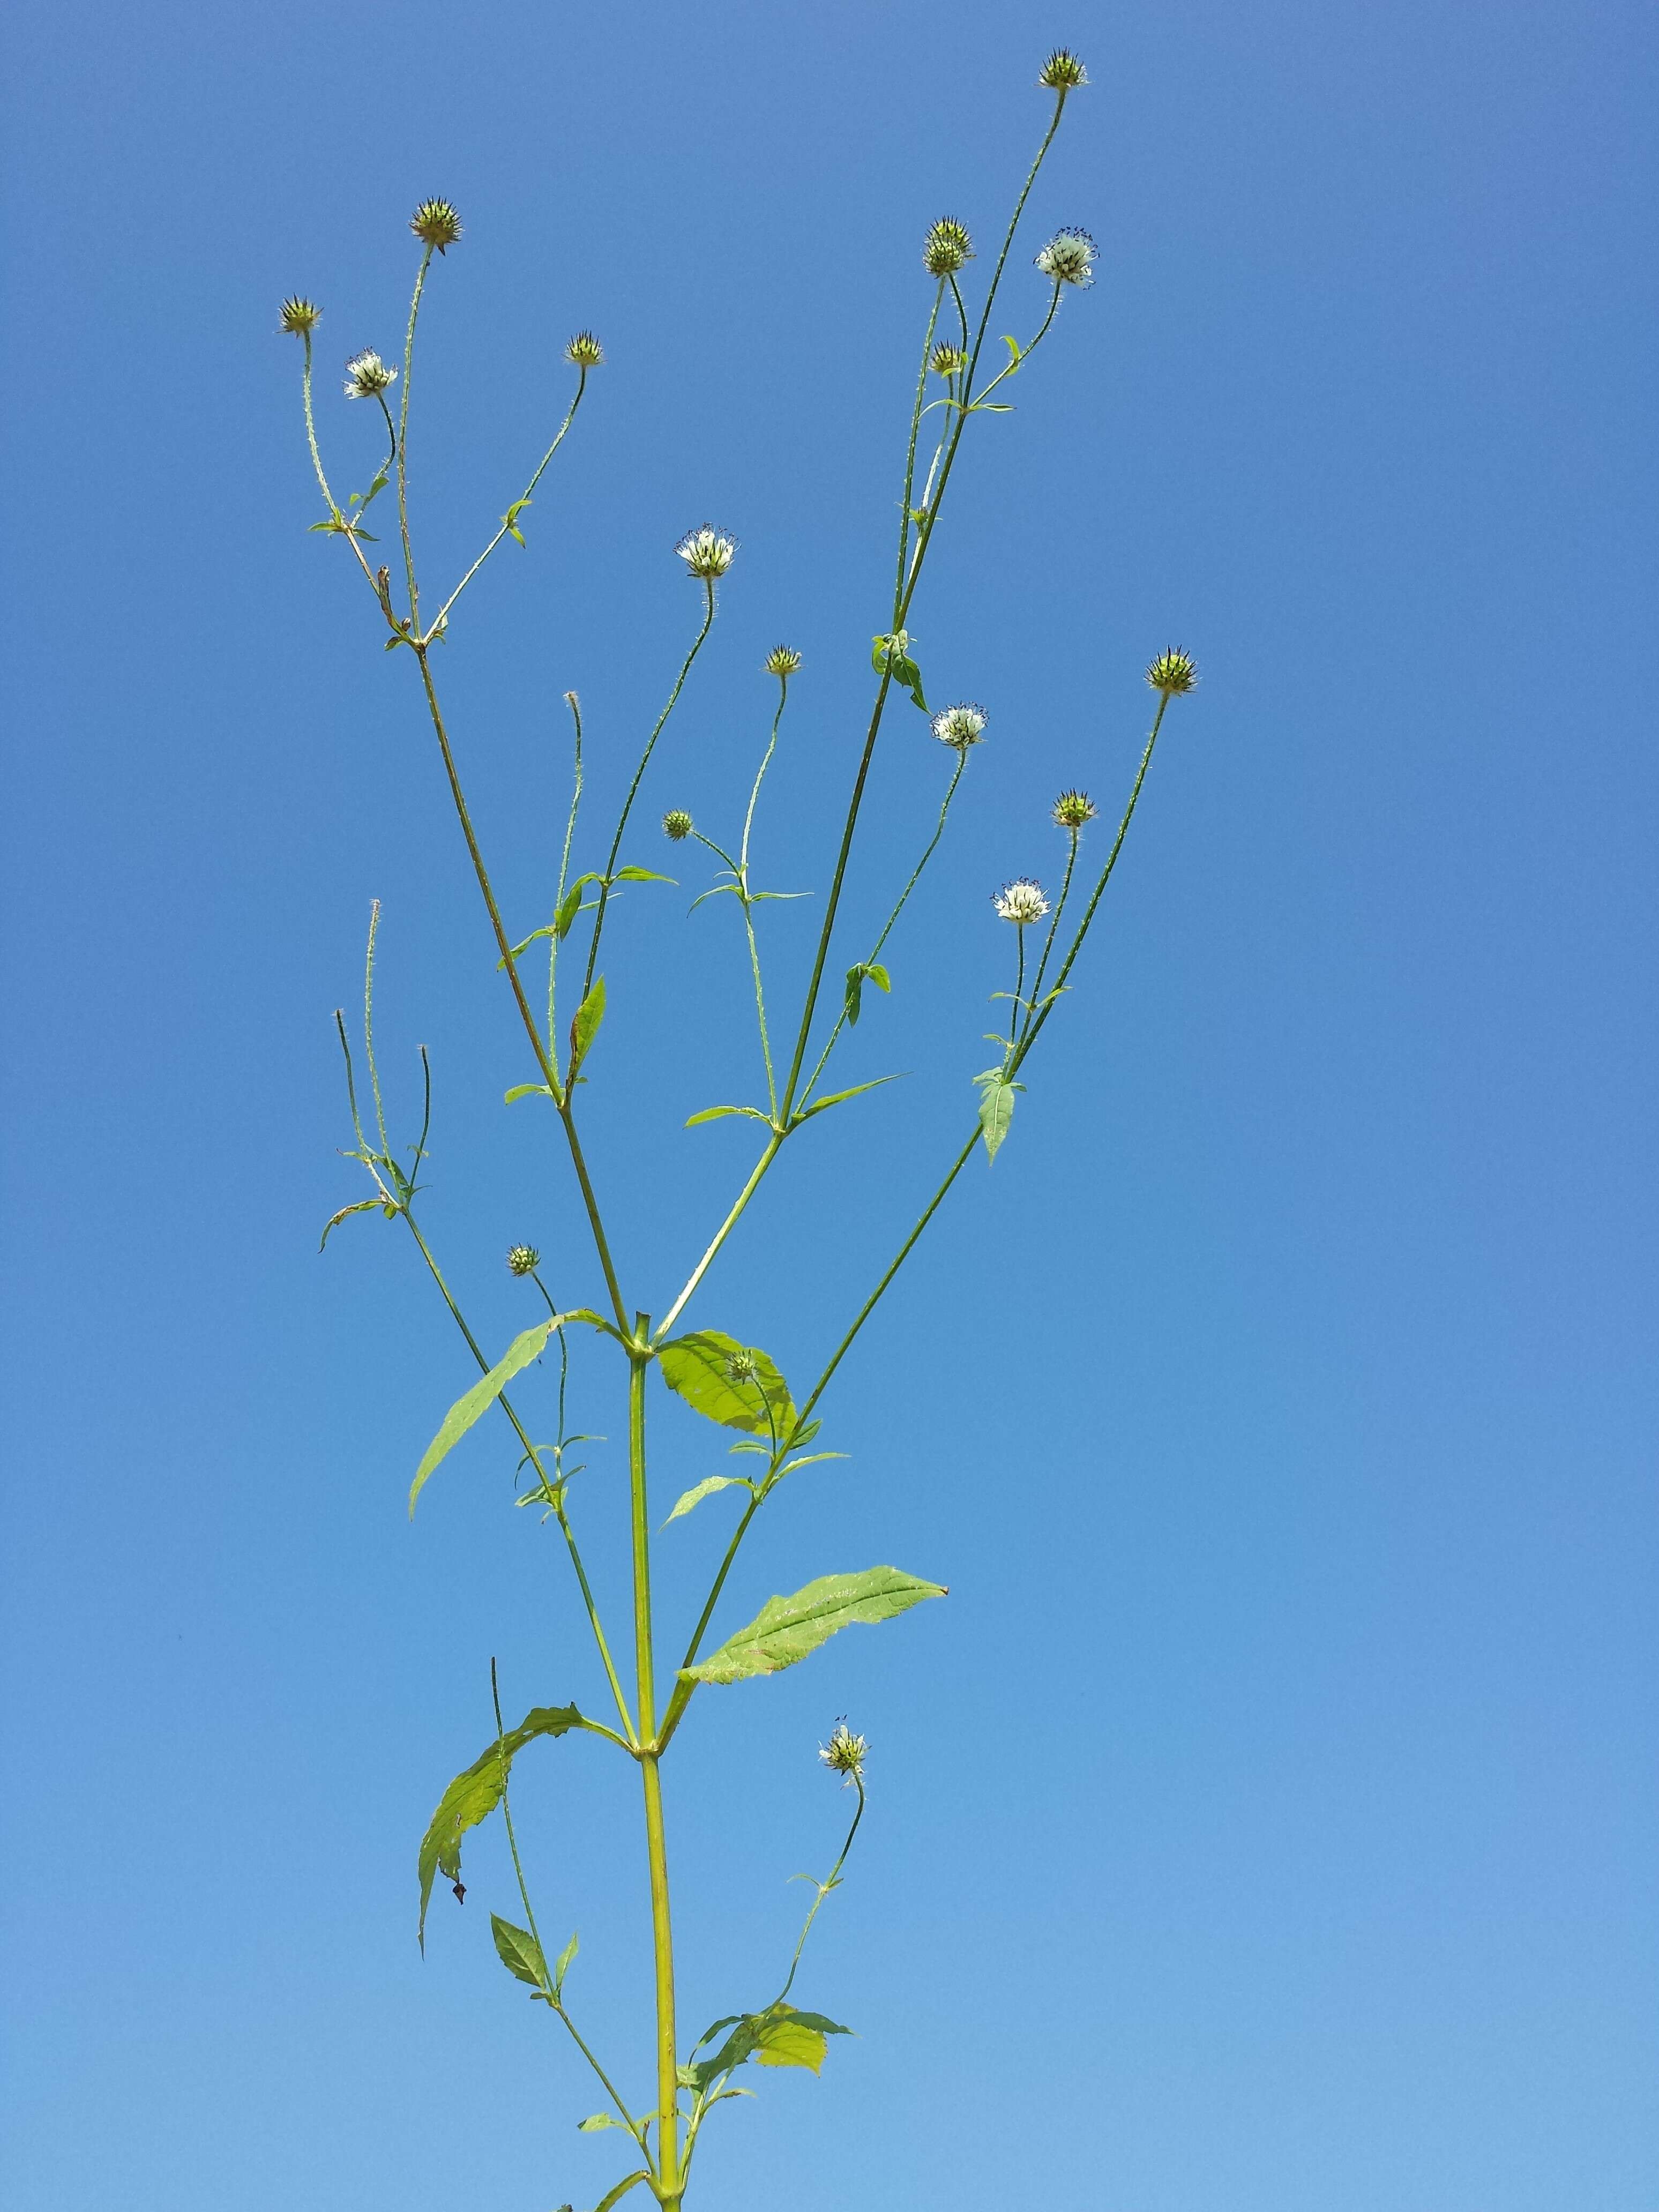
698 1369
510 519
519 951
524 1347
563 1966
855 981
585 1025
1016 353
780 2036
786 1628
363 1205
527 1091
474 1794
519 1951
570 905
715 1113
632 875
836 1097
614 2197
595 2121
878 974
707 1489
996 1107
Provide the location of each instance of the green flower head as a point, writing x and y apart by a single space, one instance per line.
300 316
524 1259
782 660
583 350
1073 808
946 248
1172 672
437 223
1063 72
677 825
845 1753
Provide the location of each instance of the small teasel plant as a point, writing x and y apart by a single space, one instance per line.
661 2096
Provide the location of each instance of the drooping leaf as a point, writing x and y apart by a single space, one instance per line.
836 1097
614 2197
786 1629
996 1107
474 1794
519 1951
584 1024
363 1205
528 1345
698 1367
707 1489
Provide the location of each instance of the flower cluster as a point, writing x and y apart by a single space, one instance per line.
961 726
677 825
1069 257
742 1367
437 223
300 316
1073 808
1021 901
1063 72
522 1259
946 248
367 376
844 1753
1172 672
583 350
782 660
707 552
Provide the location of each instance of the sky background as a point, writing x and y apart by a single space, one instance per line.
1266 1823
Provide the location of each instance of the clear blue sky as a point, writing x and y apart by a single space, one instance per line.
1266 1823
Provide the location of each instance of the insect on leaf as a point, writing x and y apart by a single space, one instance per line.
786 1629
474 1794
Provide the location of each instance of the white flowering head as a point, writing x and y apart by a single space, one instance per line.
1069 257
960 727
1021 901
367 376
707 552
844 1753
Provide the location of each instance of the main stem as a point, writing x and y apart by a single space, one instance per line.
670 2182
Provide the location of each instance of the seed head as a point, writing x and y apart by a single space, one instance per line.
960 727
844 1753
946 248
1073 808
300 317
437 223
1063 72
1022 901
522 1259
1172 672
707 552
367 376
583 350
947 361
677 825
742 1367
782 660
1069 258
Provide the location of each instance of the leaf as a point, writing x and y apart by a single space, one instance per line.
1016 353
595 2121
633 875
786 1628
713 1113
696 1368
878 974
474 1794
585 1025
855 981
822 1105
780 2036
510 519
519 951
527 1091
563 1966
524 1347
363 1205
519 1951
996 1107
707 1489
570 905
614 2197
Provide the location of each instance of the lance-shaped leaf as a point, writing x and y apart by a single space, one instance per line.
728 1382
614 2197
585 1025
529 1344
473 1796
519 1951
707 1489
836 1097
786 1628
996 1107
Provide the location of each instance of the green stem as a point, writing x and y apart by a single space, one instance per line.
403 443
442 615
774 1144
574 705
825 1888
683 1691
743 893
1053 926
910 454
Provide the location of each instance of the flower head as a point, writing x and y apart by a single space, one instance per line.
583 350
437 223
522 1259
742 1367
1172 672
1063 72
300 316
844 1753
677 825
1022 901
960 727
782 660
367 376
1073 808
1069 257
707 552
947 361
946 248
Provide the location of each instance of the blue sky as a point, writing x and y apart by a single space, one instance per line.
1267 1822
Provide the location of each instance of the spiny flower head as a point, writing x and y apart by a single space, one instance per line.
1069 257
1073 808
946 248
583 350
782 660
522 1259
300 316
1022 901
947 361
1063 72
1172 672
367 375
707 552
677 825
960 727
742 1367
844 1753
437 223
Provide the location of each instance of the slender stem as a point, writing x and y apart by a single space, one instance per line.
1019 986
743 893
825 1888
1053 926
910 454
774 1144
574 705
311 434
683 1691
639 772
403 442
442 615
368 1026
